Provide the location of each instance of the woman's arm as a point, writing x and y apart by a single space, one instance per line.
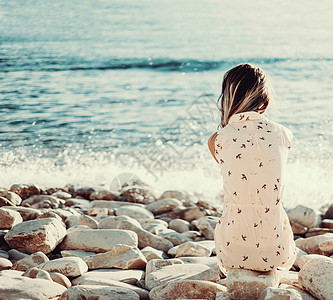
211 145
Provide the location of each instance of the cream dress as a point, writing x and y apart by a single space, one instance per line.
253 231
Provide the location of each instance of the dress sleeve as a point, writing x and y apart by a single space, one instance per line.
287 137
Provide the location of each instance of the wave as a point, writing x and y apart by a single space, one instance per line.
158 64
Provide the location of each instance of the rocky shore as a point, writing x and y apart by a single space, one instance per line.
136 243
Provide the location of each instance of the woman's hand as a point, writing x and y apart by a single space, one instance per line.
211 145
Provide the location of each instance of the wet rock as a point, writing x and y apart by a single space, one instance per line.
104 195
179 225
13 198
98 292
164 205
143 294
5 264
316 277
127 276
26 288
30 261
81 220
192 249
178 272
9 218
311 244
120 256
206 226
135 212
248 284
100 240
304 215
146 238
68 266
60 279
25 190
186 289
189 214
36 235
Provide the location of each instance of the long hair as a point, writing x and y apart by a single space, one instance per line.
244 88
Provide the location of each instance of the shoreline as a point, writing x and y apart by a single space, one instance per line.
85 241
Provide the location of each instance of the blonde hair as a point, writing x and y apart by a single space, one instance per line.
244 88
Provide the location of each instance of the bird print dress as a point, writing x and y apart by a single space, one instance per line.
254 230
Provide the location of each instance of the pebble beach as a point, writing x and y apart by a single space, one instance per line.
141 243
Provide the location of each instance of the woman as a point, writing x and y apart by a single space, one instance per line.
253 231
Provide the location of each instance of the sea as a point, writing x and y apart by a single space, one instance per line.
90 90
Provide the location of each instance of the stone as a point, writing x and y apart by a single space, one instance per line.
180 195
206 226
81 220
37 200
178 272
99 240
25 190
305 258
179 225
120 257
186 289
113 221
164 205
278 293
135 212
138 194
208 261
222 296
155 264
189 214
5 264
85 192
12 197
144 222
192 234
304 215
76 253
311 244
110 204
26 213
317 231
326 246
298 228
316 277
174 237
99 212
304 295
249 284
151 253
98 292
327 223
26 288
36 235
329 212
60 279
127 276
50 214
4 254
30 261
104 195
15 255
146 238
9 218
192 249
61 195
288 277
68 266
34 272
81 204
5 202
299 253
143 294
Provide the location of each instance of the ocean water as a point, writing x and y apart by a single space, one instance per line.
91 89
